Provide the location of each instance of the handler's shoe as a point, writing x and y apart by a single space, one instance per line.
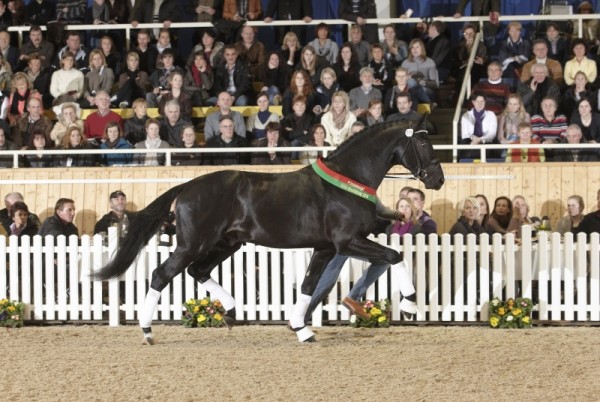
355 307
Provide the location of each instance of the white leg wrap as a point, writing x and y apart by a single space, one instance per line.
299 310
408 306
304 334
218 293
406 285
152 298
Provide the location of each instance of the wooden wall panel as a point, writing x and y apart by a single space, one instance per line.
546 187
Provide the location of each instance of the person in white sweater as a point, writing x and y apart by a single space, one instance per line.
339 119
67 84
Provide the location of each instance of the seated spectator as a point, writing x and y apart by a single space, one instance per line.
31 121
257 122
537 88
346 68
275 78
67 84
404 109
74 140
438 48
251 51
164 43
172 125
111 54
11 199
212 123
188 138
484 210
327 87
558 46
526 154
421 68
468 212
587 119
233 77
311 64
148 54
549 127
500 216
271 140
338 120
67 114
383 71
135 126
496 91
6 161
514 52
100 78
10 53
374 113
417 94
570 222
408 222
40 79
212 49
152 141
227 138
295 126
540 50
38 45
290 50
97 121
580 89
395 51
521 216
317 139
362 48
21 226
38 141
78 51
300 84
513 115
428 225
589 27
61 223
133 82
478 126
20 92
159 79
462 53
323 45
117 217
574 136
361 96
198 80
176 94
5 76
580 62
591 222
113 139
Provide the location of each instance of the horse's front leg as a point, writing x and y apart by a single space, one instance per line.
316 267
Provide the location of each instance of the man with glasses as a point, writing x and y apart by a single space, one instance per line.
540 50
227 138
97 121
494 89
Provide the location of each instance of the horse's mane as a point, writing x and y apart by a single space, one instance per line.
369 132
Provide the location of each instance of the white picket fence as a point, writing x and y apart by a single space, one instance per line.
454 278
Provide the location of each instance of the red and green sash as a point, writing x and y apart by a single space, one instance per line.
343 182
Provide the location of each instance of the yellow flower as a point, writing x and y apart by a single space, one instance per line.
494 321
516 311
217 317
382 319
11 308
217 303
525 320
3 302
201 318
501 311
191 302
196 309
375 311
204 302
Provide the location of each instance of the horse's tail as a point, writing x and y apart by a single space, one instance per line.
142 226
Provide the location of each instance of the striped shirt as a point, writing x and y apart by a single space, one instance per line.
548 130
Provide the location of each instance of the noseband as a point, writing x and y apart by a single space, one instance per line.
420 172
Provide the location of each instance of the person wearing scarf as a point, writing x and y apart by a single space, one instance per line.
257 123
338 120
113 139
198 79
21 90
478 125
152 141
408 222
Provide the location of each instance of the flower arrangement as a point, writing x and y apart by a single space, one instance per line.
11 314
380 315
203 313
511 313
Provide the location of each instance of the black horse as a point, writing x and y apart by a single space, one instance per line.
217 212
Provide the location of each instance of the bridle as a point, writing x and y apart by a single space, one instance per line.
420 172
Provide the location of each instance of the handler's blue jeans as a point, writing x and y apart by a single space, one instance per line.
329 278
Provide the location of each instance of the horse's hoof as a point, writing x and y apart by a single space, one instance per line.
148 339
304 334
356 308
229 318
407 316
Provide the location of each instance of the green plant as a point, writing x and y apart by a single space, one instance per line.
511 313
380 315
11 313
203 313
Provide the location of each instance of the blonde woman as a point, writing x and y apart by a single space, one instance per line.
99 78
513 115
468 214
21 90
290 49
338 120
408 222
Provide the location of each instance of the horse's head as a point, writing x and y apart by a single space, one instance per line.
417 155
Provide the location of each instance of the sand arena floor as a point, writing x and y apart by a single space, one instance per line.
266 363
